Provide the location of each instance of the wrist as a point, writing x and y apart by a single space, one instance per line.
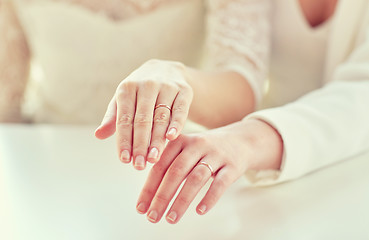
266 145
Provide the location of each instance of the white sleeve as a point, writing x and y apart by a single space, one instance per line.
326 126
238 39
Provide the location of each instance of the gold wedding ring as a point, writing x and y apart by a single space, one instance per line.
208 166
164 106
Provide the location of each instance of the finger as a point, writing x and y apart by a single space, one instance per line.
160 124
223 179
172 180
196 180
126 102
146 99
107 126
180 111
156 175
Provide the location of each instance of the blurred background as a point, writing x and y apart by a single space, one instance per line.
61 60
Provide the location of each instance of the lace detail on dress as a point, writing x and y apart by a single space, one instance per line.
14 58
117 9
238 39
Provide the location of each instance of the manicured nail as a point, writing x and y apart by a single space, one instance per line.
125 156
153 216
97 129
153 154
202 209
172 132
172 217
140 162
141 208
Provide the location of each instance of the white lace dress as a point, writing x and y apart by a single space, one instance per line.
81 49
79 56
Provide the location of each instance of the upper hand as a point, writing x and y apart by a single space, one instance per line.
141 128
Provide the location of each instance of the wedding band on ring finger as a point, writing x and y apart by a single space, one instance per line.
208 166
163 106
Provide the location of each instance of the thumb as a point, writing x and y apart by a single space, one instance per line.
108 124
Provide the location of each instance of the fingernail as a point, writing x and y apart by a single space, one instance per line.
98 128
140 162
172 217
125 156
141 208
202 209
172 132
153 216
153 154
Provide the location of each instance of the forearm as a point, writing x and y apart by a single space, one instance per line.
220 98
14 64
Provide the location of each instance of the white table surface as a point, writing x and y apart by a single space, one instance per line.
59 182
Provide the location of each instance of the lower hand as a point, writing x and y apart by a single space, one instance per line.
223 154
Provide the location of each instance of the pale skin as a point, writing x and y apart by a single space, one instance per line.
176 85
250 144
231 147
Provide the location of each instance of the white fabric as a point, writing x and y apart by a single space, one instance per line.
297 54
238 39
330 124
80 56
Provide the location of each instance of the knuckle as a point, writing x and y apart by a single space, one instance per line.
161 117
170 87
180 107
148 192
150 84
162 198
125 119
183 200
197 176
175 172
186 89
120 93
142 119
124 142
124 87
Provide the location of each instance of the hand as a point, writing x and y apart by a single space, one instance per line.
142 128
229 151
